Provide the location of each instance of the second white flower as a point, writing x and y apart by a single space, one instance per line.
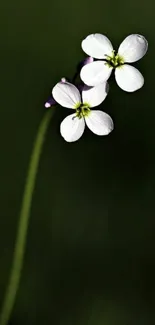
98 46
72 127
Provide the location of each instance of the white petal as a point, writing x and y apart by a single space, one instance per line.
72 128
94 73
129 78
133 48
66 94
97 46
99 122
94 96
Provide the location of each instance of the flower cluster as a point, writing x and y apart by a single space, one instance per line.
94 73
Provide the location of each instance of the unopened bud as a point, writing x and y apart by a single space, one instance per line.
50 102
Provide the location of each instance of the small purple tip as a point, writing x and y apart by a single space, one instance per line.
47 105
50 102
63 80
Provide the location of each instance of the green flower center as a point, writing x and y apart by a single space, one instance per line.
115 60
82 110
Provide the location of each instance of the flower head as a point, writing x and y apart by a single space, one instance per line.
72 127
98 46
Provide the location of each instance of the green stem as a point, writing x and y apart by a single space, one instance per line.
20 244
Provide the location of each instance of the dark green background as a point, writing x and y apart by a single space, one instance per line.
91 247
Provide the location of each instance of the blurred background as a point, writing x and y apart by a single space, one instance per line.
90 256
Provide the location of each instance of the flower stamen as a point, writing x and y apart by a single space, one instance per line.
115 60
83 110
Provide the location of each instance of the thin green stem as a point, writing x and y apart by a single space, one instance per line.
20 244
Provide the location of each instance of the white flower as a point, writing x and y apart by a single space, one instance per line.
131 49
72 127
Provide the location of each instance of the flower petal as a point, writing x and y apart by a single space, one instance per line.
72 128
94 96
133 48
95 73
129 78
97 46
99 122
66 94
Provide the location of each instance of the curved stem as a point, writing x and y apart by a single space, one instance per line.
20 244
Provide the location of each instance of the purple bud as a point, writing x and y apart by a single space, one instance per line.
88 60
80 87
50 102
